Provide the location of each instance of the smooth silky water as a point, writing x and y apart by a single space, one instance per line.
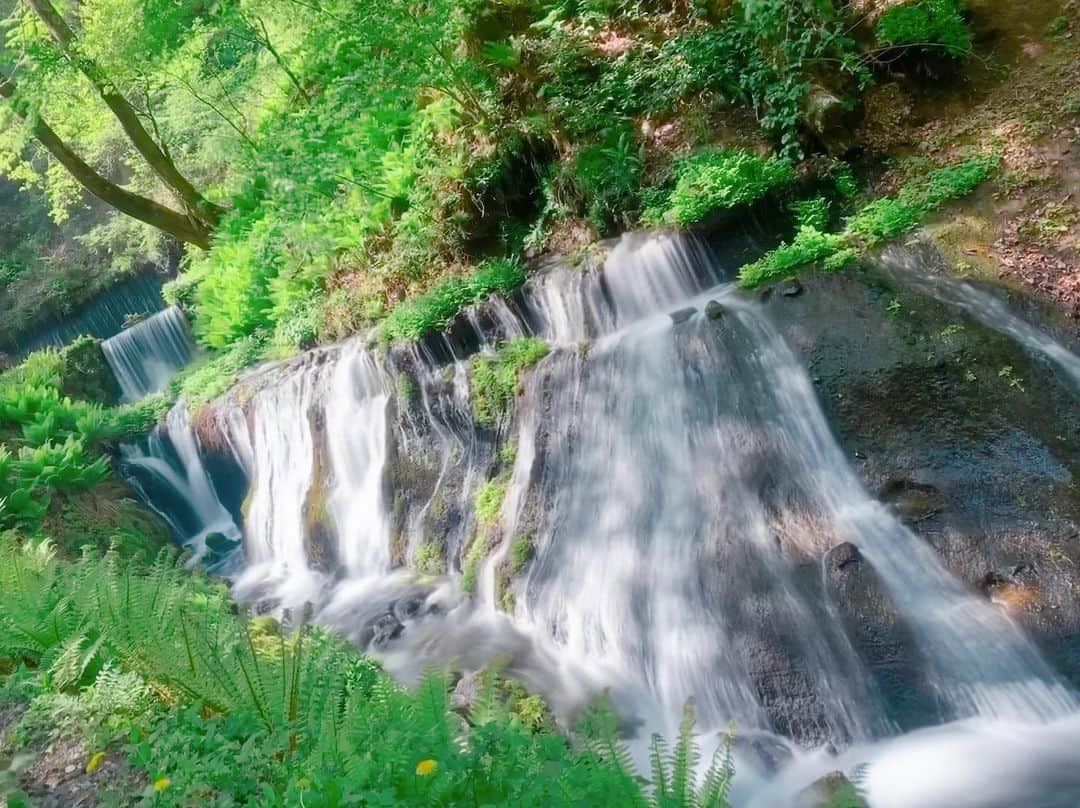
675 473
145 356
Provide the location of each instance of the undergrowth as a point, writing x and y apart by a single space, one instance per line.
150 663
431 311
874 223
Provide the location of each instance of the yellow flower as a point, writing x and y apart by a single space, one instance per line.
95 762
162 783
426 768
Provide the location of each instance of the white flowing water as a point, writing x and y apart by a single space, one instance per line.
674 474
145 356
987 309
102 317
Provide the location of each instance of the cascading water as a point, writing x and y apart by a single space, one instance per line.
102 317
145 356
676 478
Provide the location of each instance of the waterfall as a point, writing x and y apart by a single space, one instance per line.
987 309
145 356
102 317
676 478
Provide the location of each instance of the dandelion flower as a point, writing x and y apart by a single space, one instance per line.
162 783
426 768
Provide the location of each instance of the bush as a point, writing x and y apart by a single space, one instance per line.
878 221
926 25
434 309
711 182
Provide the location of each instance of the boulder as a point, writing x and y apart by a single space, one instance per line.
713 310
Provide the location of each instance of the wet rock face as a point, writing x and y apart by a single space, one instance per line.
972 442
877 632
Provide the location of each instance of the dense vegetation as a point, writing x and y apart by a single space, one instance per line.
333 166
339 157
147 662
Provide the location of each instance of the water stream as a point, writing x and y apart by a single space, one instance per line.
145 356
675 477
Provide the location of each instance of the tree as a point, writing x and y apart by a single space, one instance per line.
199 217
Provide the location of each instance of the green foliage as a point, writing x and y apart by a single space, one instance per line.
812 213
53 448
489 499
296 718
602 182
809 246
521 553
429 558
493 380
877 221
213 375
715 181
433 310
925 24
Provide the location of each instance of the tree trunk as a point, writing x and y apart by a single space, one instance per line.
184 227
193 202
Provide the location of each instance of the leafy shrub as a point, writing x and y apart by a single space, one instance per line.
878 221
715 181
809 246
812 213
493 380
603 181
925 24
434 309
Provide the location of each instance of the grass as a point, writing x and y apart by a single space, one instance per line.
874 223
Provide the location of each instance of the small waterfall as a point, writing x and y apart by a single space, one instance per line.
170 473
676 478
984 308
145 356
102 317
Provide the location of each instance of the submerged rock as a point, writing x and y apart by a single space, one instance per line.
834 790
713 310
791 288
682 315
220 545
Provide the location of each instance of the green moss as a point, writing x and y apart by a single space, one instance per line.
493 380
478 551
876 222
927 24
429 558
433 310
714 181
407 390
489 501
521 553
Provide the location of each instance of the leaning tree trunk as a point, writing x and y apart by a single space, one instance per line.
184 227
196 206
